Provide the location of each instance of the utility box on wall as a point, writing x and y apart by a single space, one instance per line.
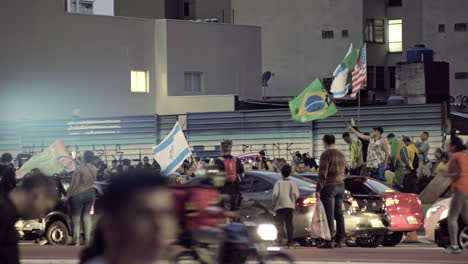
423 82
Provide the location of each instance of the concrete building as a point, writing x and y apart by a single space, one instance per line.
302 39
55 64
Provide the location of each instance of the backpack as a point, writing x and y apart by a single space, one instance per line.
230 167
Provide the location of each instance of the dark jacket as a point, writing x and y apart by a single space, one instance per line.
7 179
8 239
410 183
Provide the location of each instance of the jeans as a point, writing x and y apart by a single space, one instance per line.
285 216
458 205
332 200
79 207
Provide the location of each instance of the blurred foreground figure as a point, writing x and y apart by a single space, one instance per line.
36 196
136 221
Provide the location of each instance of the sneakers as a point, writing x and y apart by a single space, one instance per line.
42 242
452 250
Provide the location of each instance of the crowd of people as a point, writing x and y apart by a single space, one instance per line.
140 192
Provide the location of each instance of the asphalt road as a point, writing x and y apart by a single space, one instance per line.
404 254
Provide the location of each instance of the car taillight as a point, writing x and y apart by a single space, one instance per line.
309 201
391 201
354 204
92 210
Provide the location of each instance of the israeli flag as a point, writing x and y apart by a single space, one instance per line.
172 151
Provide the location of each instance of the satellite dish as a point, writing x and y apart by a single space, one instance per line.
266 76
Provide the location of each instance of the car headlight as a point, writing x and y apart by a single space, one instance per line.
267 232
444 214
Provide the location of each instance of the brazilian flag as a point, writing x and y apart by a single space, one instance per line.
312 104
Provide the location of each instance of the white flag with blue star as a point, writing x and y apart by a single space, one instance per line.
172 151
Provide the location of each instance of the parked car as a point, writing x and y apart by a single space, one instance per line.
366 226
404 209
436 227
55 226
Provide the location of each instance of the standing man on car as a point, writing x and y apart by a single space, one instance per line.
330 189
36 196
355 151
234 170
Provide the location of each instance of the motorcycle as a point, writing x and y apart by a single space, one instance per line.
234 243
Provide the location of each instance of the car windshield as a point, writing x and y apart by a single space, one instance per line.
380 187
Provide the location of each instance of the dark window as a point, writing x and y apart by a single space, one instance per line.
379 78
327 34
460 27
461 75
391 70
356 186
441 28
375 30
344 33
260 185
186 9
246 184
395 2
371 77
379 187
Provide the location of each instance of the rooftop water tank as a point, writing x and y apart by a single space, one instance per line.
420 54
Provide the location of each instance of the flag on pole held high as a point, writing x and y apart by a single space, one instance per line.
312 104
359 75
172 151
343 73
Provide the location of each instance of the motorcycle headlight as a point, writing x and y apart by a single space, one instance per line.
267 232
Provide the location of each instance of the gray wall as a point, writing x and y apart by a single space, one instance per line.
155 9
450 46
208 9
52 62
229 57
292 44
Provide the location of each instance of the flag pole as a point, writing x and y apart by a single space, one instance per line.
359 109
330 96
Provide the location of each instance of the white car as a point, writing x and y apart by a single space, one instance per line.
436 228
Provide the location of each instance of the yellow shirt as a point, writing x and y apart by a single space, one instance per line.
439 167
413 154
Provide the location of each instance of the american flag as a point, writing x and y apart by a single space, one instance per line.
359 73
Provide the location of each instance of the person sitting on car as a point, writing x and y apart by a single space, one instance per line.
33 199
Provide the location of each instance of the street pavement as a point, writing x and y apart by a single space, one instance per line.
403 254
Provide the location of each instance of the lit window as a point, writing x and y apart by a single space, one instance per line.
139 82
193 82
395 35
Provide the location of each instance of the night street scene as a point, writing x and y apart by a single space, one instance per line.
234 131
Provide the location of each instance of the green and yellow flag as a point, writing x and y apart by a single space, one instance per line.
312 104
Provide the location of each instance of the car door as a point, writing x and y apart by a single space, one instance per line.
261 191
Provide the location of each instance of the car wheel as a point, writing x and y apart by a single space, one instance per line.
392 239
463 238
371 241
57 234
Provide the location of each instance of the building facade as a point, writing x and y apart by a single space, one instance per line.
56 64
302 39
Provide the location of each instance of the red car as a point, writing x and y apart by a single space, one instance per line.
404 209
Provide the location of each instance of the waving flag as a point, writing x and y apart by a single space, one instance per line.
359 73
172 151
342 75
312 104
